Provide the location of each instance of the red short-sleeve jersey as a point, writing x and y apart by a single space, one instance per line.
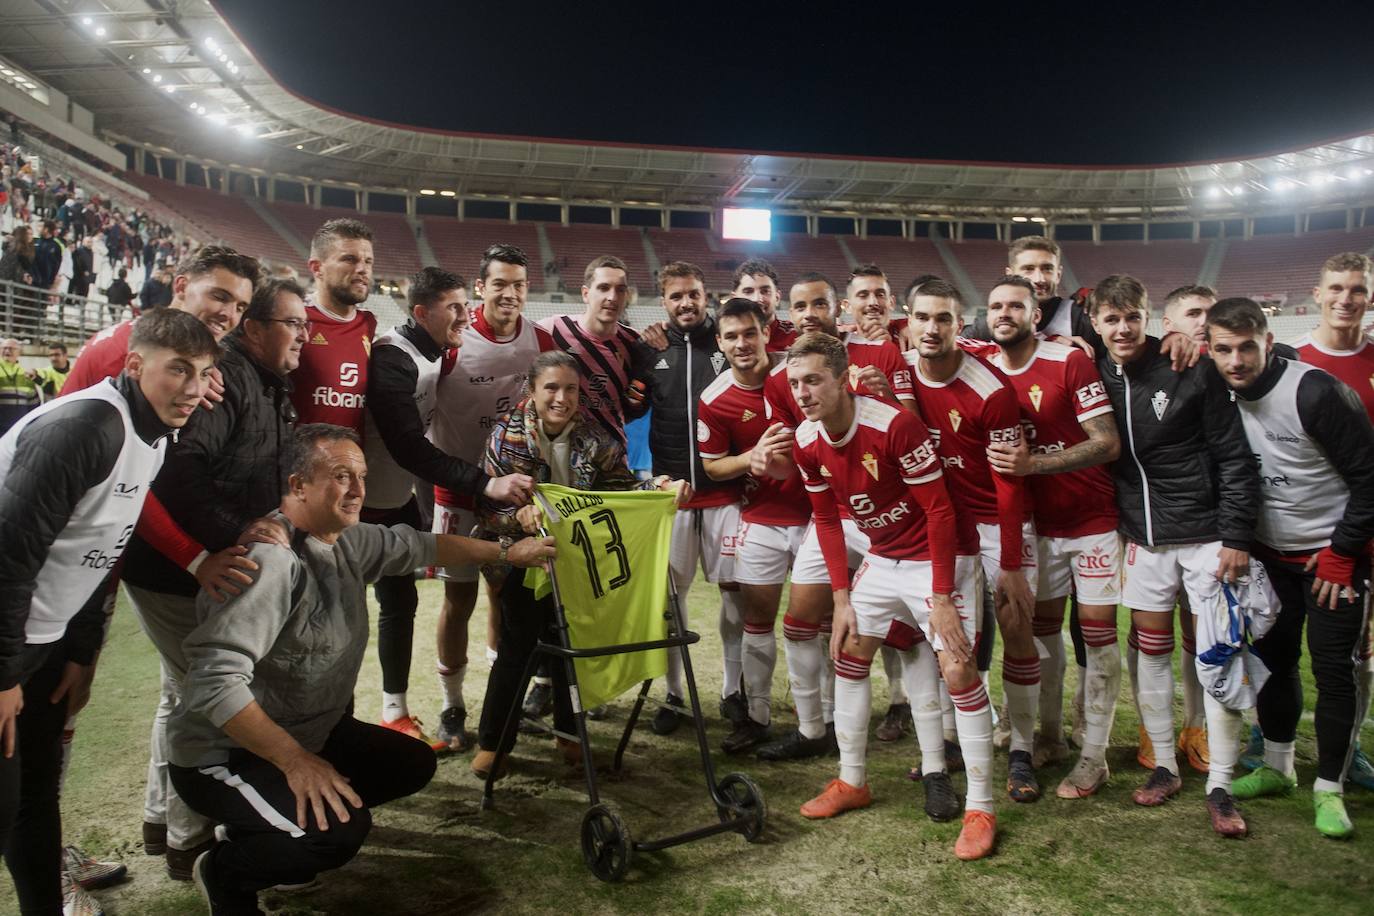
730 420
862 353
1058 390
100 358
1354 367
781 335
330 384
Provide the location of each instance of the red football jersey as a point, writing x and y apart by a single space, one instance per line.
330 384
782 407
781 335
965 414
886 471
730 420
100 358
1058 389
1354 367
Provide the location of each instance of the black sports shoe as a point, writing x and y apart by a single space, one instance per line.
942 803
220 901
795 746
539 701
667 719
896 722
1022 785
746 737
181 862
451 730
735 709
832 741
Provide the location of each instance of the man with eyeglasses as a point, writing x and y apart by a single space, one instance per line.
219 482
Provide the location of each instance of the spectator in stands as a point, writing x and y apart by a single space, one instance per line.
47 256
18 392
157 292
264 740
83 267
16 265
119 295
52 377
218 484
150 252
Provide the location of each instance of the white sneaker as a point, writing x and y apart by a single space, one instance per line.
75 900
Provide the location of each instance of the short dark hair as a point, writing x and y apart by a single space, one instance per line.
600 261
58 345
506 254
1238 315
551 359
173 329
753 267
677 270
940 289
430 283
334 230
209 257
866 270
739 307
123 272
1119 291
815 276
916 284
263 305
831 349
1014 280
1184 292
1032 243
300 450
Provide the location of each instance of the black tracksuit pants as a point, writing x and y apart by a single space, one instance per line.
398 599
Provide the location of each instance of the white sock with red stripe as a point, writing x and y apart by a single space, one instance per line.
1101 686
853 697
1223 742
805 662
1156 693
827 676
1021 682
1194 714
921 674
892 667
1049 640
760 648
451 684
731 640
973 718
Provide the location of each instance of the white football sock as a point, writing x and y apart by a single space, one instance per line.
827 677
1133 667
1194 715
1279 755
947 725
922 676
1101 686
1051 646
760 649
1156 693
973 716
394 706
853 697
731 637
1223 742
805 664
1021 683
451 683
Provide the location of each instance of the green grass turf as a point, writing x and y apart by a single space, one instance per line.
437 853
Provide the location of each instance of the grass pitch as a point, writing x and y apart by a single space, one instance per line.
437 853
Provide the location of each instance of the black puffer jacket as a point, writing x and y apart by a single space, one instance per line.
680 374
1186 474
224 470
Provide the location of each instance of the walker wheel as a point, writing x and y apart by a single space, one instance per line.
744 799
606 844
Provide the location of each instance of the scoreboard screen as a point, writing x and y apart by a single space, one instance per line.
739 223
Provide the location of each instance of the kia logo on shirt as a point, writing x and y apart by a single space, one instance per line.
348 374
126 490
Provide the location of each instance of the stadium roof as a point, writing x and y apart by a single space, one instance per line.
173 77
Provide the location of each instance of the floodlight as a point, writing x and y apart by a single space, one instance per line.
747 223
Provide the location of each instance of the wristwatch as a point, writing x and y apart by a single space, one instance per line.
505 546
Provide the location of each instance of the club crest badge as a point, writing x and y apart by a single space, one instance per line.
955 419
1036 394
1160 402
871 464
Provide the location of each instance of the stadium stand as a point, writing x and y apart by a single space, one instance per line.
1161 266
1284 268
901 259
459 244
983 261
575 246
396 251
222 217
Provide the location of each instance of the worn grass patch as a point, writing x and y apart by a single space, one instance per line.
437 852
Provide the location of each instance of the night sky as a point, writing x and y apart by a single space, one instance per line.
1105 83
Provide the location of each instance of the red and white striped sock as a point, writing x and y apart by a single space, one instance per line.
1156 693
973 718
1102 685
760 649
1021 682
1049 637
805 662
853 697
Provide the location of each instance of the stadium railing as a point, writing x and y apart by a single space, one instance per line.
39 316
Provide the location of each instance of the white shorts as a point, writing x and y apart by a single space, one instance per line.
764 553
455 520
809 567
990 551
1153 577
1089 566
704 537
885 592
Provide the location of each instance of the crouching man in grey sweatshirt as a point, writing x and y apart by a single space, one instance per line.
263 740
